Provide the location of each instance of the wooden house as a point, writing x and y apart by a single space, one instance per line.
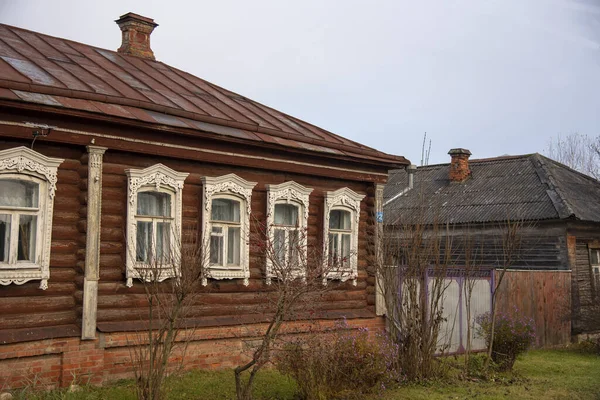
555 278
107 156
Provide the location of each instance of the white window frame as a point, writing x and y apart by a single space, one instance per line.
287 193
228 186
25 164
159 178
347 200
225 225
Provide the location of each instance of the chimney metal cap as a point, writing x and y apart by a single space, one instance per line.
136 17
459 151
411 168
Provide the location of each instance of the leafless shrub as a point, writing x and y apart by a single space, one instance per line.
510 243
412 270
297 279
168 302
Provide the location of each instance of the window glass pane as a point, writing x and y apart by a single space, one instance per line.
156 204
216 250
18 193
286 214
594 255
339 219
233 246
293 247
279 246
4 237
225 210
163 242
144 241
333 247
27 232
345 251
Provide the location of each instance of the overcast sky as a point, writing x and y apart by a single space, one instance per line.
496 77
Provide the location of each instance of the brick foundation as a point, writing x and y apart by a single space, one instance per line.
55 363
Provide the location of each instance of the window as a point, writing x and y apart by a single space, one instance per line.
342 214
226 219
595 264
27 187
340 235
154 223
225 234
287 216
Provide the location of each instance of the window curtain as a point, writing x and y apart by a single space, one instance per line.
154 203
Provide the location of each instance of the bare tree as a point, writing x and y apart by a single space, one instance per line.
577 151
168 302
296 273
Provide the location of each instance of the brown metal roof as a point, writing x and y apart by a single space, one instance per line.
38 68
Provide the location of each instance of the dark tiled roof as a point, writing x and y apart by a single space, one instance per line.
529 187
42 69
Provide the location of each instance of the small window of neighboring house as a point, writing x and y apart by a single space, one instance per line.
342 215
226 221
27 187
154 223
595 264
287 216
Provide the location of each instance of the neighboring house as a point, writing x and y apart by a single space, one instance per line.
556 276
106 157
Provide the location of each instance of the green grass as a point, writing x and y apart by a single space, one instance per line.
540 374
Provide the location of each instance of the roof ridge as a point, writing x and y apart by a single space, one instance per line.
564 166
559 201
482 160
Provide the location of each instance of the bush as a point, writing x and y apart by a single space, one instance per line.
513 335
343 364
588 346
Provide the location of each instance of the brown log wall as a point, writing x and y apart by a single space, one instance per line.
120 307
544 296
29 313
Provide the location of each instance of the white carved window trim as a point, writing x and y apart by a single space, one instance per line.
348 200
26 164
227 186
287 193
159 178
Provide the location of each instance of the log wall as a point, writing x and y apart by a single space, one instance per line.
29 313
122 308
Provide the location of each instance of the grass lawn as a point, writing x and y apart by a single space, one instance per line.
540 374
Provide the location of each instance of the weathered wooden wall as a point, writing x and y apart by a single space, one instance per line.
544 296
585 295
542 246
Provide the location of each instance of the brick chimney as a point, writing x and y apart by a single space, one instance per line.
136 35
459 166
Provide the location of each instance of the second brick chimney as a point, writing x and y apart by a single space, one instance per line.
459 166
136 35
